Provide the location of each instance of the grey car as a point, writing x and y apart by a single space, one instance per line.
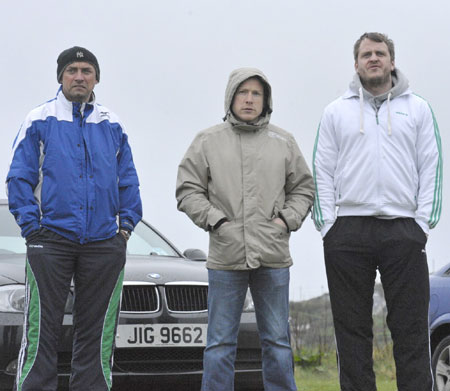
163 320
439 319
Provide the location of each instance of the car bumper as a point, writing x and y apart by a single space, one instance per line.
144 364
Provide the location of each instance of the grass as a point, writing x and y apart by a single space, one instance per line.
325 377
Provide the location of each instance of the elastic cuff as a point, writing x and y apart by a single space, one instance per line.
218 224
126 225
214 216
126 233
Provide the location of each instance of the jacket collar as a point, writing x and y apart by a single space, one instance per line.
400 87
353 94
241 125
75 107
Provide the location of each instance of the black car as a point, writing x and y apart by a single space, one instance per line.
163 318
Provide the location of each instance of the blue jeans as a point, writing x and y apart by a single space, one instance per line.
226 295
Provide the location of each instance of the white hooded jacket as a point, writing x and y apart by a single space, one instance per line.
380 160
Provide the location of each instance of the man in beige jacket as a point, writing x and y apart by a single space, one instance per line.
246 182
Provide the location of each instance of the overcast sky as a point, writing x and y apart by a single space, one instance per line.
164 68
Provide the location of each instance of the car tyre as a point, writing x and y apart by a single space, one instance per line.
440 363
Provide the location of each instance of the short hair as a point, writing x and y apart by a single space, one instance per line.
376 37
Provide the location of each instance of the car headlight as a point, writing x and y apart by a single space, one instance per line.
12 298
248 303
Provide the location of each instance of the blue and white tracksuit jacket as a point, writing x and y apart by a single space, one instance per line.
72 172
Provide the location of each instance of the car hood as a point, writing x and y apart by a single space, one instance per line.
161 270
156 269
12 269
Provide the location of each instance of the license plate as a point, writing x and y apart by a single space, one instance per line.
157 335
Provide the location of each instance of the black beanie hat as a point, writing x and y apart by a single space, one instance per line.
75 54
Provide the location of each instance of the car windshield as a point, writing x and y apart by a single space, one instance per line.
144 241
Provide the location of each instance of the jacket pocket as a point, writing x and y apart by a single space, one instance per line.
339 175
226 244
274 243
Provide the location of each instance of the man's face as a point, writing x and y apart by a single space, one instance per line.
248 100
374 64
78 81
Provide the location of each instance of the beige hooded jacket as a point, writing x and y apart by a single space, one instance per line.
248 174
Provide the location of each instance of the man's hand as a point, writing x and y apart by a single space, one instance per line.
125 233
279 221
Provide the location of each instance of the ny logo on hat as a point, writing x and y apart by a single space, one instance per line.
80 54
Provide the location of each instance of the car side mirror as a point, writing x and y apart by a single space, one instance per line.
194 254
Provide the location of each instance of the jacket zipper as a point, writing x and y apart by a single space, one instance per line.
378 156
84 173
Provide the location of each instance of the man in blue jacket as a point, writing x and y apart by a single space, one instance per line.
74 191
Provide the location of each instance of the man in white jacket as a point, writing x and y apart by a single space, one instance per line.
378 175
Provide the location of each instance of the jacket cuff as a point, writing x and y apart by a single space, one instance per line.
291 219
214 216
127 225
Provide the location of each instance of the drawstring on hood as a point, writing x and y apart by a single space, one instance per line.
237 77
361 111
400 85
389 114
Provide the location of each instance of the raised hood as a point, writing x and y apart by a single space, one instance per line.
236 78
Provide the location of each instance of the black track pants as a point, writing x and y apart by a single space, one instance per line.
97 271
355 247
